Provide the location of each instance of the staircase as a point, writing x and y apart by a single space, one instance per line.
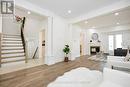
12 49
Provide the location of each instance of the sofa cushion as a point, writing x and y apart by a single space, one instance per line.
117 77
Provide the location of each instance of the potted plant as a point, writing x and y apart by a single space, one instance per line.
66 50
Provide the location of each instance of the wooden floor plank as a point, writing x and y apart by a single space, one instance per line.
41 76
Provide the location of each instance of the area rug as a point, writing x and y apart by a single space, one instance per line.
80 77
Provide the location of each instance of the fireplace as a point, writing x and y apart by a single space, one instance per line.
94 50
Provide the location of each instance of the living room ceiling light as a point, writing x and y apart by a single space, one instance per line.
29 12
93 27
86 22
69 11
116 14
117 23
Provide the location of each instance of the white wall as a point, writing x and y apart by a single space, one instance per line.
0 23
9 25
55 37
75 41
59 27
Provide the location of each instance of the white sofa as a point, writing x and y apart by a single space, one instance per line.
117 61
114 78
83 77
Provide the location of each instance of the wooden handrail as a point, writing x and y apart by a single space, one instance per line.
23 38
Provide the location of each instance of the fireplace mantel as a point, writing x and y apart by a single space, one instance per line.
94 44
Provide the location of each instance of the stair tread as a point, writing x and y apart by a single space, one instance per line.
13 49
11 39
13 56
11 42
11 52
13 61
11 34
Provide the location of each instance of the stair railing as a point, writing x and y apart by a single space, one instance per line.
23 39
35 53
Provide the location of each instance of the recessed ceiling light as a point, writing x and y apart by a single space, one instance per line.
86 22
69 11
29 12
117 23
116 14
93 27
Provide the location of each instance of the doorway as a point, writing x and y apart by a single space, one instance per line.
82 44
42 45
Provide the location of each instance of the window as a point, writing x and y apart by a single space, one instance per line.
118 39
111 42
115 41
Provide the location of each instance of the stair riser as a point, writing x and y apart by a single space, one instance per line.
16 61
11 59
4 53
12 48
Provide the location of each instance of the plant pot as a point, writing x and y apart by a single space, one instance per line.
66 59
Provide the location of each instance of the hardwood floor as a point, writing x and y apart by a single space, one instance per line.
41 76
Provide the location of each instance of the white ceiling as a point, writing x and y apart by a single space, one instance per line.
78 7
24 12
108 20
